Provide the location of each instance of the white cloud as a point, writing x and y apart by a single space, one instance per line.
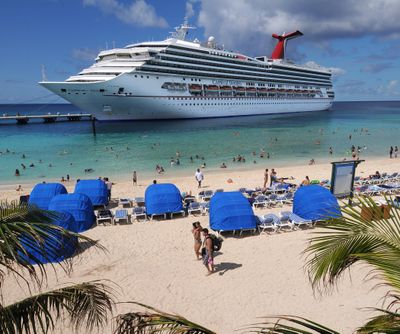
248 24
390 89
336 71
139 12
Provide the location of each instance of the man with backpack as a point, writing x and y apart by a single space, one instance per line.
207 251
211 244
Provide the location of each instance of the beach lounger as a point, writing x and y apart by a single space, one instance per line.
139 201
195 207
284 222
272 199
286 198
138 212
189 199
267 222
121 215
260 200
124 202
297 220
200 195
208 194
219 190
205 206
181 212
104 216
158 214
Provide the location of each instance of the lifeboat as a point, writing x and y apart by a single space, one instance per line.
213 88
195 88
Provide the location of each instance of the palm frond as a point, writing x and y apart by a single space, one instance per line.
155 321
27 236
388 323
354 237
287 324
86 305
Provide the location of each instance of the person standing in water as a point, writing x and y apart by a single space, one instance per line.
134 178
197 239
266 177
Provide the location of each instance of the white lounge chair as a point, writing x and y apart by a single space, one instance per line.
121 215
139 201
284 221
208 194
125 202
195 207
181 212
104 216
138 212
297 220
260 200
268 222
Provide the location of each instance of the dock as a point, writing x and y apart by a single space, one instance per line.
46 118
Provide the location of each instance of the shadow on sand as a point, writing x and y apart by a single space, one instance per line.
223 267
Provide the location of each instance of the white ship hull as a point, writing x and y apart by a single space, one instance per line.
104 101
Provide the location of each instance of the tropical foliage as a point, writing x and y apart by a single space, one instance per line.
364 233
85 304
155 321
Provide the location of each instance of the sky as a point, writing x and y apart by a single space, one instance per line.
359 40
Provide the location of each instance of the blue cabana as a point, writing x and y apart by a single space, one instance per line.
96 190
231 211
42 194
79 206
54 247
162 198
315 203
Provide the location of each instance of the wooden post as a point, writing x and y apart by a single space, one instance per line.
93 119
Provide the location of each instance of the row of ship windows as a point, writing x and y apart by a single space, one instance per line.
147 77
183 67
229 76
237 62
232 68
238 104
247 83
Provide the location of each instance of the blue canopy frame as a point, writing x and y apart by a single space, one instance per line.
231 211
79 206
96 190
162 198
43 193
314 202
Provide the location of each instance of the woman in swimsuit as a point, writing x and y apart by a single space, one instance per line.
197 239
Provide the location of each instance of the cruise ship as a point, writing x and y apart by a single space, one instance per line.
181 79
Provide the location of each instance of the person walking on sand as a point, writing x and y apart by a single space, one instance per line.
197 239
266 176
134 178
396 150
208 252
391 152
199 177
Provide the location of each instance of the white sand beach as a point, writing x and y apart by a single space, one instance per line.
257 275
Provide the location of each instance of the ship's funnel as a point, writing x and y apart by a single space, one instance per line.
279 51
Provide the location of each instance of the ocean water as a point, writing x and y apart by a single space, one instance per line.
121 147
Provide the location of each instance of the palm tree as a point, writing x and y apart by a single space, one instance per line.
346 240
155 321
25 231
364 234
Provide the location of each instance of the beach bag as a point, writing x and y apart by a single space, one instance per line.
217 242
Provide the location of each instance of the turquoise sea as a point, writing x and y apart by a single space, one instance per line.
121 147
